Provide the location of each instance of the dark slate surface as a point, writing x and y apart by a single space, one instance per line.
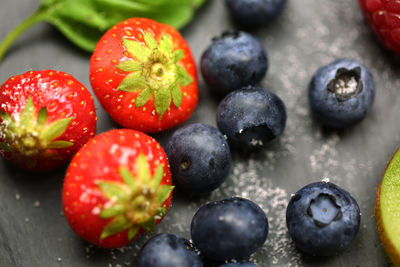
33 231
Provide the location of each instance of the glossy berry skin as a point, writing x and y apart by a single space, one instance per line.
255 13
383 17
233 228
322 219
168 250
239 264
341 93
200 158
144 75
251 118
46 116
117 186
233 60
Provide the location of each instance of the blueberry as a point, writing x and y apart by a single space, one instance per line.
341 93
200 158
229 229
322 219
233 60
251 117
168 250
254 13
239 264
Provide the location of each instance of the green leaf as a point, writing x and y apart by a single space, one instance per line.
117 225
178 55
6 118
176 96
162 100
84 12
130 66
84 21
143 97
162 211
7 124
163 193
114 190
158 175
41 119
60 144
132 232
150 41
82 35
197 3
26 118
179 17
138 50
5 147
166 45
184 78
143 169
112 211
132 82
127 176
54 130
149 225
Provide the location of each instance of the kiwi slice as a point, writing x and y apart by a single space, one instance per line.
387 209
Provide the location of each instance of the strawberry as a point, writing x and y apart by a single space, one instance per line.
117 186
384 19
45 117
144 75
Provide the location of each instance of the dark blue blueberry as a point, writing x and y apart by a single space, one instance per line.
239 264
233 60
322 219
254 13
200 158
229 229
168 250
341 93
251 117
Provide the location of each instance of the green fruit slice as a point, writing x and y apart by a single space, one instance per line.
387 209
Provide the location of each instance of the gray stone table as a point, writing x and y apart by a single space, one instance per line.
33 231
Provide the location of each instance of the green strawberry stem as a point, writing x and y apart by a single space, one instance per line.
36 17
154 72
30 135
137 202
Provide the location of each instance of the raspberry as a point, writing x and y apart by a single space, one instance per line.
384 18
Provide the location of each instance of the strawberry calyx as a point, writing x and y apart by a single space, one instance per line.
155 72
136 202
29 134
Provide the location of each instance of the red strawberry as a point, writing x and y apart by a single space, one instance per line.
144 75
116 186
45 117
384 18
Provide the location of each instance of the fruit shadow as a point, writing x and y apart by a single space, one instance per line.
327 131
180 196
346 255
105 122
259 154
34 183
94 255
